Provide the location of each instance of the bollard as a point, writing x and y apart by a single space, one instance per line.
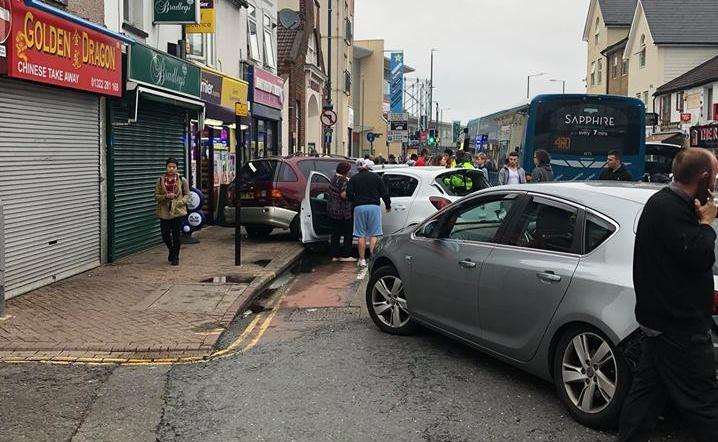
2 262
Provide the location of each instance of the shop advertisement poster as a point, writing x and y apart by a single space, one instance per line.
211 88
233 92
48 49
396 87
268 89
176 11
208 19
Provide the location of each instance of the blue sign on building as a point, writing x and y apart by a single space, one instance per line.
396 86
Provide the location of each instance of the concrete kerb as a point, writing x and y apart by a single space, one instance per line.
253 291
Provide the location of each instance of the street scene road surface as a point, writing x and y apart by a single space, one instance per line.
318 370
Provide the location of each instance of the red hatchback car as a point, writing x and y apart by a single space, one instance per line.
271 192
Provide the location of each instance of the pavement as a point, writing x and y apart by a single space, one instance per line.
141 308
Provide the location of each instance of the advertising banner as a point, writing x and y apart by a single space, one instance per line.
704 136
396 87
158 69
211 88
208 19
233 92
268 89
176 11
48 49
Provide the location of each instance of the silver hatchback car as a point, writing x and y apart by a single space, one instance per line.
537 275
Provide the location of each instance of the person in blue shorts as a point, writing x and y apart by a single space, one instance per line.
366 190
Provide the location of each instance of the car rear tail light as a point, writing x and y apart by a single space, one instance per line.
439 202
715 303
276 194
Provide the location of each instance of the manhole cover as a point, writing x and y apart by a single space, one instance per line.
228 279
325 314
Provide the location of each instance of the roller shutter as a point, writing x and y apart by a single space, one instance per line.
136 159
49 183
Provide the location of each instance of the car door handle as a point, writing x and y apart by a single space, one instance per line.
467 264
408 258
548 276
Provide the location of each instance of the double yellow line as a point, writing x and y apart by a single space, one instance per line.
268 315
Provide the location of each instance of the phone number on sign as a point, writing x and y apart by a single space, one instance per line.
106 85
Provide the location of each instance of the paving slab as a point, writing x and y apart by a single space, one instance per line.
141 307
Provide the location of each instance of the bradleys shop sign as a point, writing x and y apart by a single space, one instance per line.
48 49
177 11
162 71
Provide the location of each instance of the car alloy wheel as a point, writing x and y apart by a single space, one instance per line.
589 372
389 302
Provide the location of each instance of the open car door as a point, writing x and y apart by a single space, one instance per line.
315 223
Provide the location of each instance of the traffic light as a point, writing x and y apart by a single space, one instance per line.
432 137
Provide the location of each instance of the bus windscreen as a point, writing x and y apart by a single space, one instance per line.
583 128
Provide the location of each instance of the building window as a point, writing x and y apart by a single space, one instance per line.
709 103
679 101
347 82
200 47
348 31
645 98
616 67
593 73
132 13
625 67
599 72
666 109
597 33
642 54
252 37
269 58
312 58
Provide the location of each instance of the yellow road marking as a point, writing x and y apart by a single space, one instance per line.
237 342
265 324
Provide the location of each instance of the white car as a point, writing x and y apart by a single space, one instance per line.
416 193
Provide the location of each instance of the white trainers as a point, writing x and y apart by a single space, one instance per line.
362 263
335 259
349 259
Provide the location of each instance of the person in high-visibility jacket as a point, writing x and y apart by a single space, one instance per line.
460 182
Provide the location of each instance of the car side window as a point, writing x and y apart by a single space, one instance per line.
319 188
481 220
327 167
306 167
546 225
400 185
597 231
285 174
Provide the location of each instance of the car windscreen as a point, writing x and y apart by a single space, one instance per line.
259 170
585 128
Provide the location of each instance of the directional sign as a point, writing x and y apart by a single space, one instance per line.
329 118
397 116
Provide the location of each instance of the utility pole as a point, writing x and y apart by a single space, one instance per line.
431 87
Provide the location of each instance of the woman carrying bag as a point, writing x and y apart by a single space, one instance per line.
171 194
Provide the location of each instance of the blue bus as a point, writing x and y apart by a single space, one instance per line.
579 130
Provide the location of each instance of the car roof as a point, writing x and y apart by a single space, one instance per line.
599 195
430 171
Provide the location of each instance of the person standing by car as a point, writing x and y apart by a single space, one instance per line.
365 190
339 210
673 279
512 173
615 170
480 164
542 173
171 195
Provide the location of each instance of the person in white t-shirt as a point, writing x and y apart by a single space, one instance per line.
512 173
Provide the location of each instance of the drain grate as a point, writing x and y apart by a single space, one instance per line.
325 314
228 279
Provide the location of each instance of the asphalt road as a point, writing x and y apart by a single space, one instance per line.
311 366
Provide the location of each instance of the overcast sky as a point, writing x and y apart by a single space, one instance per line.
486 47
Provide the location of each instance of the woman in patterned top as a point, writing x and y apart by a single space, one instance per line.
339 210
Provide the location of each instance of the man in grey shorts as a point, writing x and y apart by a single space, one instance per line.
365 190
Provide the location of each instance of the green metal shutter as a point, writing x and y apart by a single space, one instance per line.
136 159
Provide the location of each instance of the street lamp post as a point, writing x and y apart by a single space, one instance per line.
431 88
563 82
528 83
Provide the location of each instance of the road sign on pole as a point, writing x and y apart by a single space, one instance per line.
329 118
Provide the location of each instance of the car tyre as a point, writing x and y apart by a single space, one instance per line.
259 232
593 391
386 302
